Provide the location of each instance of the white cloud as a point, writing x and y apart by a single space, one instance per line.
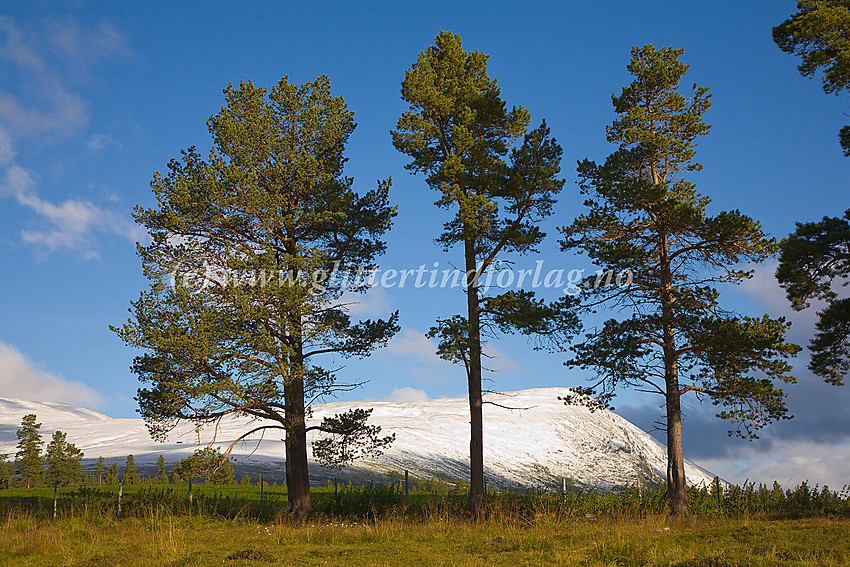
407 394
20 378
65 111
83 47
414 344
70 224
99 142
788 462
49 108
765 290
7 148
17 182
18 49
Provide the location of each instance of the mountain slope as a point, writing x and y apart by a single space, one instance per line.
530 439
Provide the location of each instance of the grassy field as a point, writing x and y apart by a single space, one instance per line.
374 526
164 539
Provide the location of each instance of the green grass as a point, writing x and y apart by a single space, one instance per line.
227 525
163 539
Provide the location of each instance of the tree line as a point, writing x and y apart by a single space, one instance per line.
60 464
255 250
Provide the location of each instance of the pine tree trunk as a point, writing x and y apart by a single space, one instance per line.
297 475
476 420
677 497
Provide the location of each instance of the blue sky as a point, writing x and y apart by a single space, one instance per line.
96 97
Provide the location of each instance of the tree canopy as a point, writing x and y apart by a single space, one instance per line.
819 33
814 261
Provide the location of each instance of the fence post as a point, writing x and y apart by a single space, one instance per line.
190 495
407 487
55 486
719 492
120 494
261 487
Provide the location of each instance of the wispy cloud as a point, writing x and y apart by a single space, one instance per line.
407 394
99 142
21 378
7 148
422 363
83 47
46 61
44 107
414 344
49 107
71 224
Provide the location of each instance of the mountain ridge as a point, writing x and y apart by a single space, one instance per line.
532 440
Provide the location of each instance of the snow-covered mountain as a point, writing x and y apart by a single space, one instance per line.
531 439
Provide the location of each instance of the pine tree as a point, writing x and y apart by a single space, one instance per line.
458 131
64 462
112 475
646 217
7 470
28 458
131 476
261 239
97 475
207 463
161 475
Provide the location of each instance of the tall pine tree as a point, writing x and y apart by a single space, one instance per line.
458 131
131 475
7 470
28 458
261 239
64 462
161 475
97 474
645 215
112 476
